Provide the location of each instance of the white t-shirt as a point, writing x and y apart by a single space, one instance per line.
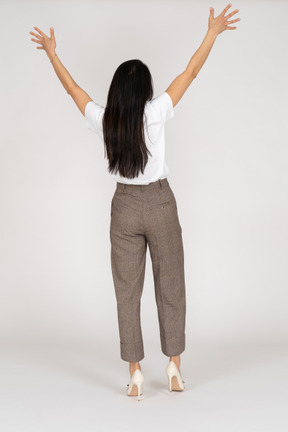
156 113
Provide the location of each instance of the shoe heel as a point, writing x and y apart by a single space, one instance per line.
136 380
177 383
170 382
139 386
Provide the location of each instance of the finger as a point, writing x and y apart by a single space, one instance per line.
39 48
52 32
34 34
40 31
212 12
230 22
231 28
225 10
232 13
35 40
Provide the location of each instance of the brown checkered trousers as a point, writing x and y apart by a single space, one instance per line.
142 214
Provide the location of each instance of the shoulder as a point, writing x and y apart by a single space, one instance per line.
94 114
93 108
163 105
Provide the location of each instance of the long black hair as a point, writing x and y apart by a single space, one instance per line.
123 130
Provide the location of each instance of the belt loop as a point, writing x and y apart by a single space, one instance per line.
123 187
160 183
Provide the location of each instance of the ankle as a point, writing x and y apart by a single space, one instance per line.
176 360
133 366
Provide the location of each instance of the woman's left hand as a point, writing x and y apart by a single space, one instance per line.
47 43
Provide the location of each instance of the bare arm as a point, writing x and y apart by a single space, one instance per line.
199 57
181 83
216 26
80 97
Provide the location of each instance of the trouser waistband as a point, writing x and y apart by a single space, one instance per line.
153 185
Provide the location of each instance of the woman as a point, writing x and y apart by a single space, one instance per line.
143 208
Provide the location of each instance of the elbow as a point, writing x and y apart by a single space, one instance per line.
69 89
191 76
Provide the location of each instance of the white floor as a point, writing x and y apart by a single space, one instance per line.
75 387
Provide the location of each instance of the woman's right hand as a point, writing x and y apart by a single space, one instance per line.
220 23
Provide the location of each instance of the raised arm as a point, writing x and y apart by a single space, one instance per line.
80 97
215 26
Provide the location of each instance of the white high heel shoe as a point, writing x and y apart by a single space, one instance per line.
175 380
135 387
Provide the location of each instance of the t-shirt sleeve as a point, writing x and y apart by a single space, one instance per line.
94 115
164 105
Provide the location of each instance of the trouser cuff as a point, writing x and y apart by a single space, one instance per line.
174 346
133 352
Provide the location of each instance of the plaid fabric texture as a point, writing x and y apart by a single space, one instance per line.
141 215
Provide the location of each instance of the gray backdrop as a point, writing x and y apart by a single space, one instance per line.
227 145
